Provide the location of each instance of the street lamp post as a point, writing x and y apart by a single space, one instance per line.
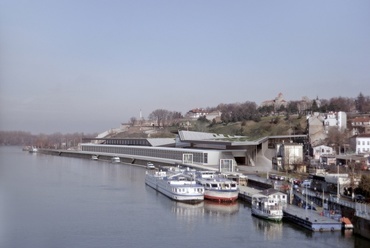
338 184
306 201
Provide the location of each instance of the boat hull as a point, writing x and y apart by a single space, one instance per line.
221 196
277 217
217 188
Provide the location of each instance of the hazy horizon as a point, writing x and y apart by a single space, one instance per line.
87 66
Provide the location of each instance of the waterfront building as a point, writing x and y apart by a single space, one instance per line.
193 148
289 157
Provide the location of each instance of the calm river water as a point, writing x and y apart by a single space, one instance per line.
51 201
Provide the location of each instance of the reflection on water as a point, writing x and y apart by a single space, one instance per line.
270 230
215 208
204 208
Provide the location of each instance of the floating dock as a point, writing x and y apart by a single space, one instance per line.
309 219
245 193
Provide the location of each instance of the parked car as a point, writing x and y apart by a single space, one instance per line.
360 198
295 181
308 207
306 183
282 178
273 176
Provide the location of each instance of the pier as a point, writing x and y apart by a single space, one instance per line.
307 218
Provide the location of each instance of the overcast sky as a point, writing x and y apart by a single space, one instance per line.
87 66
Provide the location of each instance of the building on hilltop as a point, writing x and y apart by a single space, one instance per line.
276 103
198 112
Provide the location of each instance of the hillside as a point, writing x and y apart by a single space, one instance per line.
267 126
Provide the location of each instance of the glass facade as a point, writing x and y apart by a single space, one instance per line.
166 153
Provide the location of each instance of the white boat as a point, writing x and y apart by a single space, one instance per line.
115 159
217 187
32 149
266 208
94 157
150 165
179 186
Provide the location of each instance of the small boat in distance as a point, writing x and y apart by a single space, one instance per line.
266 208
32 149
346 223
177 186
115 159
150 165
95 157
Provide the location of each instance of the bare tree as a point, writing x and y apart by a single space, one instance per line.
341 104
363 103
336 138
133 121
160 116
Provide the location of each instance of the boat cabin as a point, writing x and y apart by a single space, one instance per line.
275 195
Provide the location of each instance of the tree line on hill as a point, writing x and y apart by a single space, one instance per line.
53 141
235 112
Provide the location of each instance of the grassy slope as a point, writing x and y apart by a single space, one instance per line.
253 130
266 127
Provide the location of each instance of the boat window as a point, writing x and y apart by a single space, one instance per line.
214 185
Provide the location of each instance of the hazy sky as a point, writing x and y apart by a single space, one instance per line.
87 66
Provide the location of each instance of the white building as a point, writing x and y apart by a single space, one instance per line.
196 113
275 195
336 119
363 143
288 157
318 151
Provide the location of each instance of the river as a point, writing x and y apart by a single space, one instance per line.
52 201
